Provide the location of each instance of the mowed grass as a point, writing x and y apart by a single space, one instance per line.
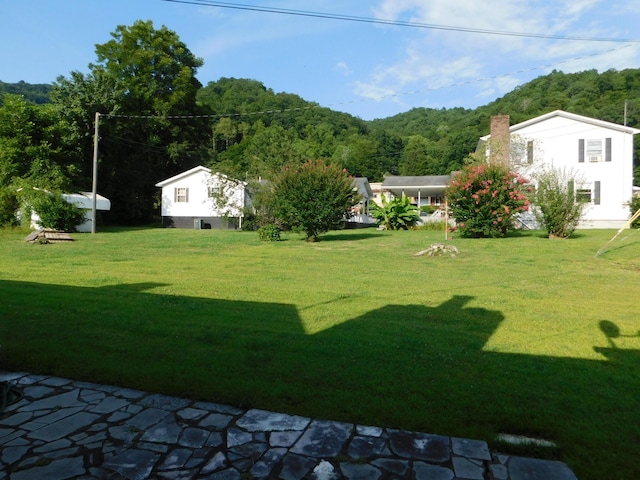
522 335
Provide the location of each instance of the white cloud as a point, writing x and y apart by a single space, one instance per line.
372 91
434 58
344 68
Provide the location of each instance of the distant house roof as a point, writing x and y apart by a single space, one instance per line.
85 200
184 174
411 186
570 116
416 182
192 171
361 184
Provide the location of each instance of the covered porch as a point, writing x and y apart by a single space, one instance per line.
422 190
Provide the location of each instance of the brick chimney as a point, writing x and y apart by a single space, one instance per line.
500 143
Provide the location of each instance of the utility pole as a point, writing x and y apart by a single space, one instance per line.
94 187
625 113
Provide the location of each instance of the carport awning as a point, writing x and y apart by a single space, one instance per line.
85 200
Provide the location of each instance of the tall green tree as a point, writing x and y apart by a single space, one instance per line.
421 157
143 78
33 151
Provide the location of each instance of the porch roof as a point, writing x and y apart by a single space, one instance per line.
412 186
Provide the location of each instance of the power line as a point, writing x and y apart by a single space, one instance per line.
397 23
382 97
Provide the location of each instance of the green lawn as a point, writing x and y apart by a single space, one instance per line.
521 335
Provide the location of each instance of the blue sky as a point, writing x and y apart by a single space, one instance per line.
366 69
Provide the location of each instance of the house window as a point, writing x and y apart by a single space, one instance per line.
181 195
530 152
594 150
216 192
589 193
583 195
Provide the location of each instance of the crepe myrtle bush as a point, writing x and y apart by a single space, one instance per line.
483 199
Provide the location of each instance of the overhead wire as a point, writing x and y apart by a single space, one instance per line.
398 23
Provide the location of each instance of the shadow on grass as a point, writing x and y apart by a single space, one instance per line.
405 366
365 235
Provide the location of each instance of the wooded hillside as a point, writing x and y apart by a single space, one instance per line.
36 93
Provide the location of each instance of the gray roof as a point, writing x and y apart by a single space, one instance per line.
362 184
424 181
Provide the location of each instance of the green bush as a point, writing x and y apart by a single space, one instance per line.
269 233
396 214
313 197
634 206
8 207
428 209
484 198
558 209
434 226
56 213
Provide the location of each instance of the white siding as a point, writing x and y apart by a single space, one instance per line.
198 181
556 137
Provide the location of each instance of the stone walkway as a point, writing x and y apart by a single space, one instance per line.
62 429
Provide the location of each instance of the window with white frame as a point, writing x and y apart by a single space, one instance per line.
181 194
594 150
583 195
589 193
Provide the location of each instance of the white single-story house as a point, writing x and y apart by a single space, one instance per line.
200 199
83 200
597 152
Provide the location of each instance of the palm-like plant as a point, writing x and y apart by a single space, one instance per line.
395 214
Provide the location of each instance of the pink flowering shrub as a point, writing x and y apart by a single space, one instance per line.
484 198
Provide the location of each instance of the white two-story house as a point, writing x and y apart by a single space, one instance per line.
598 153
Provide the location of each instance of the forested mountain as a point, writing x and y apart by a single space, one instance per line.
597 95
245 129
36 93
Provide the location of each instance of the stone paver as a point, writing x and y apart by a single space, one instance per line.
63 429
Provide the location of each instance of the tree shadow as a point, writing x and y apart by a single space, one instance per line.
415 367
332 236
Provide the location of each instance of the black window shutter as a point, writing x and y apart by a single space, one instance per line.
607 150
175 194
581 150
596 192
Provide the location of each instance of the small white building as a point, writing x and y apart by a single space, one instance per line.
84 201
200 199
598 152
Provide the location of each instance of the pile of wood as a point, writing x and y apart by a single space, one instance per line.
48 236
